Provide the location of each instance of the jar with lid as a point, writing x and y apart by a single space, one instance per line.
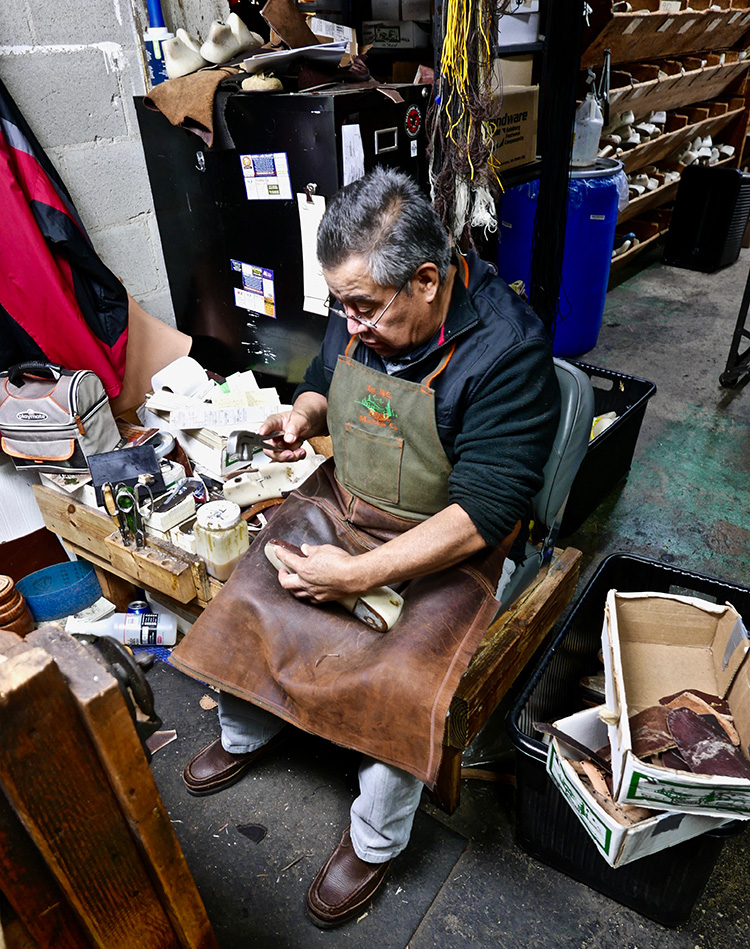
221 537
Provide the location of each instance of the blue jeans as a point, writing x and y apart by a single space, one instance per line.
383 813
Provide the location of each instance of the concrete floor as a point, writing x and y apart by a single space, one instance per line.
464 880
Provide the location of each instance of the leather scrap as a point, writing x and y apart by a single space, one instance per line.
189 101
705 746
289 23
701 706
716 702
649 731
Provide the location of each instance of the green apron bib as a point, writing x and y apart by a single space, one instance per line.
385 438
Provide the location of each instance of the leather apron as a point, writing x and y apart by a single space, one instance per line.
316 666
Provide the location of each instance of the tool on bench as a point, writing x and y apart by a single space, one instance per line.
242 445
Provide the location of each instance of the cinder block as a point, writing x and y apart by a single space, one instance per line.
108 182
128 253
15 24
160 306
69 98
84 22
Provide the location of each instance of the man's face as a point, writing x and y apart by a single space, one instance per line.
403 320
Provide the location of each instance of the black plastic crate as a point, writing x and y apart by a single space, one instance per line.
609 456
664 886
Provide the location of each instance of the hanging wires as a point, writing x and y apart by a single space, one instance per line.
464 180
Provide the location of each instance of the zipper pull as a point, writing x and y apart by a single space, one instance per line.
79 423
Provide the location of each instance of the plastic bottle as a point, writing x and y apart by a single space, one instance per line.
133 629
221 537
587 130
156 34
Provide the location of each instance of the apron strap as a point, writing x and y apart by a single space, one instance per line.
427 381
351 345
466 270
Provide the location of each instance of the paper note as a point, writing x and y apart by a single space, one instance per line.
207 416
311 208
353 153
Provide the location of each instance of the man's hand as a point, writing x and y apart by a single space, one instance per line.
324 573
306 419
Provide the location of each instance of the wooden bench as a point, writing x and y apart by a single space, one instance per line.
182 581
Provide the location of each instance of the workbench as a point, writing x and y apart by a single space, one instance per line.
181 581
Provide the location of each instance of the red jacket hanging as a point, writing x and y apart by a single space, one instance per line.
57 299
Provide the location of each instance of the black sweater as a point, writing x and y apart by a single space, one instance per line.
497 402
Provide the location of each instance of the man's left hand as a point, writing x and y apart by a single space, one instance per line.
324 573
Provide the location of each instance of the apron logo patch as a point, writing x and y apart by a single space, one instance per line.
380 412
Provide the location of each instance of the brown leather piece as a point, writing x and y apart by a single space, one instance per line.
649 731
326 672
705 747
343 886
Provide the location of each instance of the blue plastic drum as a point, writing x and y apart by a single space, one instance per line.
593 196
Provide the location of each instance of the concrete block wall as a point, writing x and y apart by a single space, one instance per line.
73 68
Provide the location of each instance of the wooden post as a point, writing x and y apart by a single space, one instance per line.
76 776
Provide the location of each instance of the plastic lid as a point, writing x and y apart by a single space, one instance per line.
218 515
601 168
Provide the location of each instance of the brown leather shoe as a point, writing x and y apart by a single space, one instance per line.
344 886
214 769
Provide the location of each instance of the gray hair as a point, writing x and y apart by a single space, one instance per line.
385 219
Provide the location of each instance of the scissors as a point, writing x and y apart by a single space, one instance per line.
143 506
124 504
116 512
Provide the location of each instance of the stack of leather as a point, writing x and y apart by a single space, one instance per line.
14 613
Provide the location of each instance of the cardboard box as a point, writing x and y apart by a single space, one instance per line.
395 34
512 71
656 644
517 29
515 138
616 843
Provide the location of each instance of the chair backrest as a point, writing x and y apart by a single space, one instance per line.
569 446
568 449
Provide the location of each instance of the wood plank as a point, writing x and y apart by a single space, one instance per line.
58 788
105 715
116 589
159 566
31 889
510 642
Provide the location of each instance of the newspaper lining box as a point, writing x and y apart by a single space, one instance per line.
656 644
395 34
616 843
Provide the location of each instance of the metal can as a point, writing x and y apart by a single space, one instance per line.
138 607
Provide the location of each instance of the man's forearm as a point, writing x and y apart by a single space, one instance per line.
441 541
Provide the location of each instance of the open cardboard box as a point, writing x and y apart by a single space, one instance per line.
616 843
656 644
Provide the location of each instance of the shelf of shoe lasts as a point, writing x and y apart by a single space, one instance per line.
642 91
696 121
645 30
661 195
651 231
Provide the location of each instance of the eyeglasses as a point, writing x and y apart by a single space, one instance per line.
335 306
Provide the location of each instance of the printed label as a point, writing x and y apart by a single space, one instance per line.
31 416
266 177
257 292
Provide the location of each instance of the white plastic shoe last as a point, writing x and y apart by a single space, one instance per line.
245 37
221 45
182 55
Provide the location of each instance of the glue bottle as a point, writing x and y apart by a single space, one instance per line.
156 34
133 629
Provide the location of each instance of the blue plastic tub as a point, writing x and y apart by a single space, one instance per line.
593 196
60 590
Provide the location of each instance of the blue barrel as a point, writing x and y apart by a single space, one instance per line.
593 196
